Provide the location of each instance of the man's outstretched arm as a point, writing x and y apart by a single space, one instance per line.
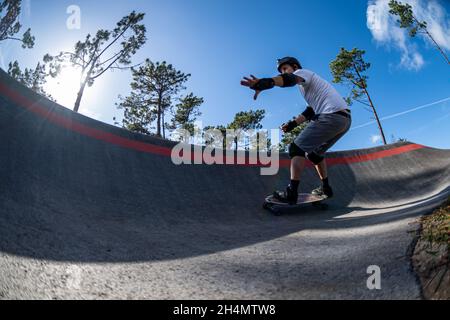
288 80
282 80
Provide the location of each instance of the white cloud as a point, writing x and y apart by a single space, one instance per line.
438 23
375 138
385 30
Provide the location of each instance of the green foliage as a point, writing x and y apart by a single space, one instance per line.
406 16
138 113
107 50
244 122
349 68
28 39
187 112
33 79
408 21
210 139
247 120
154 87
10 25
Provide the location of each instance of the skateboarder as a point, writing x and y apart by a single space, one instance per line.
329 118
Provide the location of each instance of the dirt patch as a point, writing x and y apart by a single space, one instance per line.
431 254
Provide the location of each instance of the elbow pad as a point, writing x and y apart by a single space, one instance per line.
309 113
289 79
264 84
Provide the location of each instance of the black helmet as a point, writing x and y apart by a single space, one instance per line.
288 60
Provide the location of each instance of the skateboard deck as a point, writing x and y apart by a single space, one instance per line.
275 206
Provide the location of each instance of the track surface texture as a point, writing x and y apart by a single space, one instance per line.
91 211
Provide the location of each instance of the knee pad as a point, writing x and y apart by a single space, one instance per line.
296 151
315 158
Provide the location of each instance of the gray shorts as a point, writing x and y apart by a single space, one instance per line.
321 134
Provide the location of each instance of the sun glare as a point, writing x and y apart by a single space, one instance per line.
65 86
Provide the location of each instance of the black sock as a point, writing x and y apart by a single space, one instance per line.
294 185
325 182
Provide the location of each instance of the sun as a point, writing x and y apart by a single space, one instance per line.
65 86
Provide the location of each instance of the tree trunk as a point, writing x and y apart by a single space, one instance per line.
376 116
439 48
163 125
79 96
364 87
434 41
158 121
158 125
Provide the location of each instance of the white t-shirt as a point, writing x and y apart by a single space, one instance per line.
319 94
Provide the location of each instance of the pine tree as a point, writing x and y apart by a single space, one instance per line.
349 68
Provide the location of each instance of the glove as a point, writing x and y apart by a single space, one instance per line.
263 84
291 125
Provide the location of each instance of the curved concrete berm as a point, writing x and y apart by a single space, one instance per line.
88 210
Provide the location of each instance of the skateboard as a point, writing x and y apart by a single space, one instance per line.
275 206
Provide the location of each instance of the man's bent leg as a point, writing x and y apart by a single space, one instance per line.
297 166
321 167
322 170
298 159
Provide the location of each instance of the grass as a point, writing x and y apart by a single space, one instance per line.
436 227
431 256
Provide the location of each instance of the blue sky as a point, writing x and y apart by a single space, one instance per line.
218 42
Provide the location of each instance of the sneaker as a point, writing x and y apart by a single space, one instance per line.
323 192
288 196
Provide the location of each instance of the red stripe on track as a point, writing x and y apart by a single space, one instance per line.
375 155
164 151
81 128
